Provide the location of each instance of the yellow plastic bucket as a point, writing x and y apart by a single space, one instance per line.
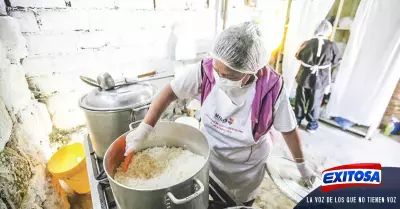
69 164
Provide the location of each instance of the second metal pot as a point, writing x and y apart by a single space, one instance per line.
109 112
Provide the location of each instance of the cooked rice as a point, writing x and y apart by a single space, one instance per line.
159 167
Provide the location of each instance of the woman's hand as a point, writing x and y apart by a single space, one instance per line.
293 141
306 173
158 106
135 137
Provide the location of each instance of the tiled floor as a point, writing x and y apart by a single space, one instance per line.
330 147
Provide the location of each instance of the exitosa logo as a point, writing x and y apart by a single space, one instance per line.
352 175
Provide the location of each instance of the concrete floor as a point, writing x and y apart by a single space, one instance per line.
330 147
326 148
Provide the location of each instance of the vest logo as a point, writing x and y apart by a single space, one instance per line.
352 175
229 120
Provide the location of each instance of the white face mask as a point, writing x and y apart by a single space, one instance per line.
233 89
228 85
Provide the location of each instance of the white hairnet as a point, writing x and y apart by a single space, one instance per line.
240 47
324 29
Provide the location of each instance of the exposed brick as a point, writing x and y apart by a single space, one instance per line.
137 4
104 19
99 39
82 62
36 66
52 43
145 37
64 20
38 3
92 3
67 82
126 55
158 19
140 66
123 20
27 20
61 83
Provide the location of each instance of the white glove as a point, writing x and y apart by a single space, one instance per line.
327 90
135 137
306 173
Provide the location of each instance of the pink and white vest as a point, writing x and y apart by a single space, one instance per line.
268 88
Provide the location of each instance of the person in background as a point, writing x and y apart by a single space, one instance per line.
317 56
242 99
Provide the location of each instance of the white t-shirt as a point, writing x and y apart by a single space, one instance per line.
188 85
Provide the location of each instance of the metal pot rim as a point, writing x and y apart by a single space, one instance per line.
158 189
84 107
115 109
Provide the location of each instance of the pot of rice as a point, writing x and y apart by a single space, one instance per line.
168 170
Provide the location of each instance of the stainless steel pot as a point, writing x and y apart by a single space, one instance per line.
109 112
191 193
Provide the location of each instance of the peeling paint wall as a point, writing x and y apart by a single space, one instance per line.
67 38
46 44
24 128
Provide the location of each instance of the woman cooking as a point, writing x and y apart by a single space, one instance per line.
242 99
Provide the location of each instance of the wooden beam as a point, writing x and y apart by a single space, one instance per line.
279 57
217 15
225 16
335 24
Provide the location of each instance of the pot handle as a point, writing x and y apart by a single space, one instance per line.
188 198
134 110
134 123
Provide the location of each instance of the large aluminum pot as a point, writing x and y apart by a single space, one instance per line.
108 113
191 193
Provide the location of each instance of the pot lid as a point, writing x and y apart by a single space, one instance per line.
287 178
118 98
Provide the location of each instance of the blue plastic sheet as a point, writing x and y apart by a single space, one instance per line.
344 123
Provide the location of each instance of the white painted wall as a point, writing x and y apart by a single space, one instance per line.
68 38
25 123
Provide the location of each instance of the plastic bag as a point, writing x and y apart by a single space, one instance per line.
393 127
344 123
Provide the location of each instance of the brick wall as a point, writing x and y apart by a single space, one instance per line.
393 108
67 38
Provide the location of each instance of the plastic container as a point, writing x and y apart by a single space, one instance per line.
69 165
393 127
